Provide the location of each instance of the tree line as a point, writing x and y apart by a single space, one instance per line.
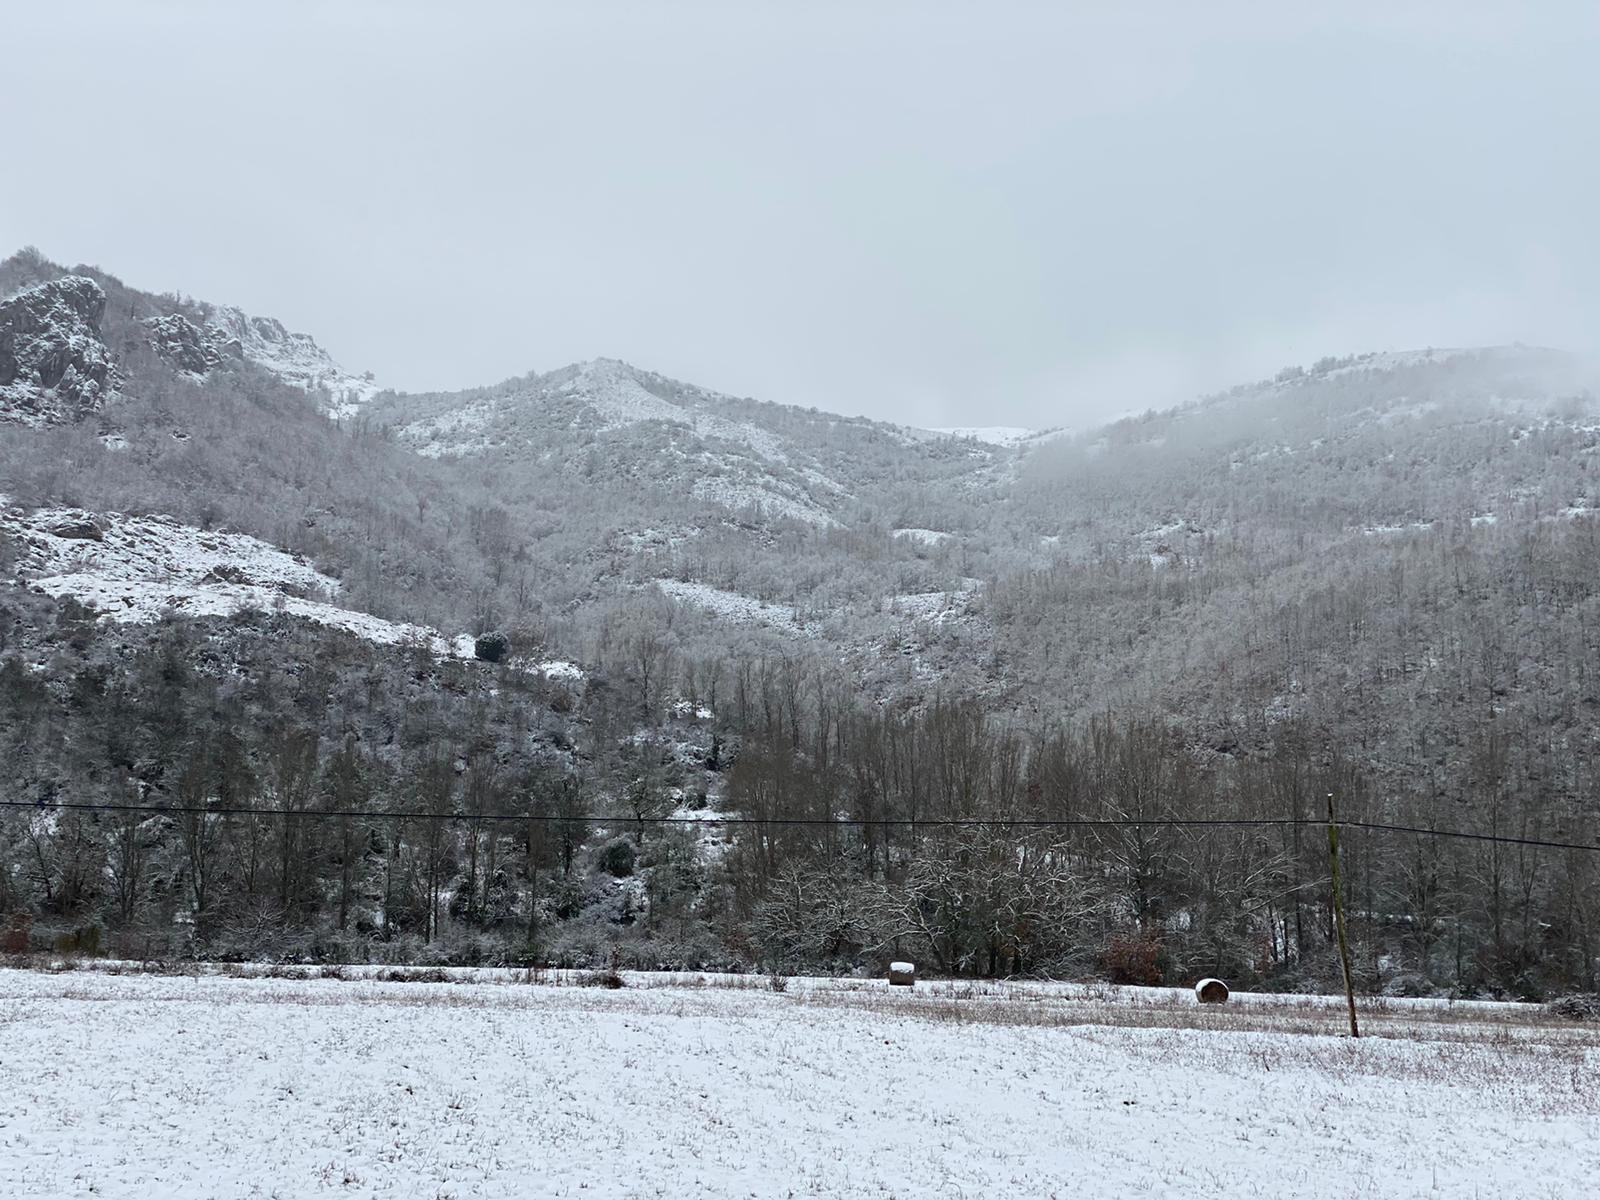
485 815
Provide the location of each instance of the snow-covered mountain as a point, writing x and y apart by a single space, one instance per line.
1377 573
554 501
736 463
763 462
58 365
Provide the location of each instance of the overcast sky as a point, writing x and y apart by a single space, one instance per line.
942 214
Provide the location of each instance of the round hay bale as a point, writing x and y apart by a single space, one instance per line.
903 974
1211 991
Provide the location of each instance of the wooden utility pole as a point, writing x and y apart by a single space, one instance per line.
1338 916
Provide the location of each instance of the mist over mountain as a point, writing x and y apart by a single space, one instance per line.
235 568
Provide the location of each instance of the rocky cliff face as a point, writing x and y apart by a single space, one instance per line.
188 347
54 367
295 358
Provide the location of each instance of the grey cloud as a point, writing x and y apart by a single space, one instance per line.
939 214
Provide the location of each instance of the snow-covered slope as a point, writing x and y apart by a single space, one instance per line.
732 607
133 570
994 435
770 499
620 396
764 463
924 537
603 395
60 541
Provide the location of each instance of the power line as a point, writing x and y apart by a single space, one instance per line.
727 820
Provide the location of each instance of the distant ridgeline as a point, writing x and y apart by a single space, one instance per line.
591 665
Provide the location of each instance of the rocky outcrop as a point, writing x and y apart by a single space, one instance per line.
188 347
54 367
294 358
266 338
78 526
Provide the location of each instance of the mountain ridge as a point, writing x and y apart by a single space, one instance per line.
1379 575
711 493
298 359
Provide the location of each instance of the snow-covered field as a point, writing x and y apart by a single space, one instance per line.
687 1086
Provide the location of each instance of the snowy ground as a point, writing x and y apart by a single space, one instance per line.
928 537
153 550
731 606
691 1086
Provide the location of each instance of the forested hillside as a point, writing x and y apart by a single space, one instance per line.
593 664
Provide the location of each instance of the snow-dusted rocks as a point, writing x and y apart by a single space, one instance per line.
54 367
189 348
133 570
295 358
138 602
65 541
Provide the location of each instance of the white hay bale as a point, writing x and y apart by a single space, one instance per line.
903 974
1211 991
